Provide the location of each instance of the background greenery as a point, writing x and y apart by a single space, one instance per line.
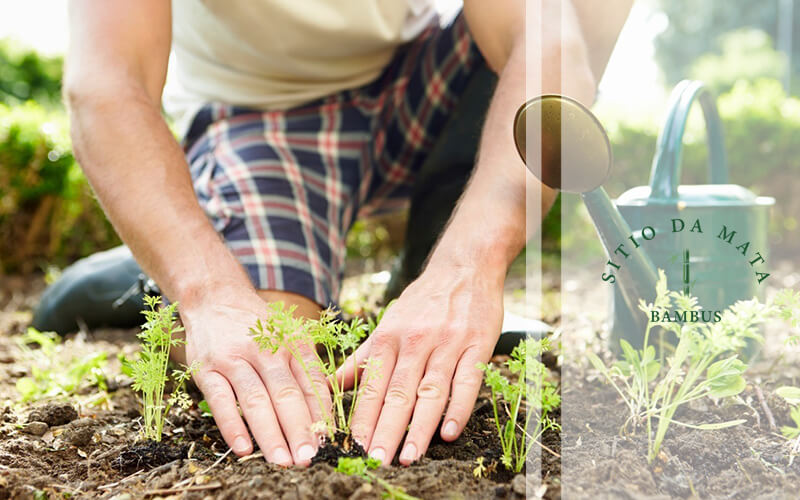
47 212
48 215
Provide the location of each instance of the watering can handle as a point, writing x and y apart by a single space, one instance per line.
666 171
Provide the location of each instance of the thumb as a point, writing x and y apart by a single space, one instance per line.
346 373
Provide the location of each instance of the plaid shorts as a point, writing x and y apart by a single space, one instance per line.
283 187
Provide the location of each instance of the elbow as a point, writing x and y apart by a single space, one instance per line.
566 69
100 89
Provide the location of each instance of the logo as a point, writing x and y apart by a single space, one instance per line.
697 244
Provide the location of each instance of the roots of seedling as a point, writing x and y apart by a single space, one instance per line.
147 455
342 445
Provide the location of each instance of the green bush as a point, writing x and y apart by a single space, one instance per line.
47 212
746 54
761 127
26 75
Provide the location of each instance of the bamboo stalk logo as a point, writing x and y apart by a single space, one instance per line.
686 273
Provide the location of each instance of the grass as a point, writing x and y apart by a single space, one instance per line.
53 378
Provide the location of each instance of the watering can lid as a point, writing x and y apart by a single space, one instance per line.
697 195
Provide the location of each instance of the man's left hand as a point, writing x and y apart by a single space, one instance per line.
425 351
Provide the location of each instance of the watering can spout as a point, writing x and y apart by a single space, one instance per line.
570 151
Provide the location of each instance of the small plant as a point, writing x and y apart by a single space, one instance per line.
791 432
336 339
704 363
149 372
480 470
531 394
363 467
50 376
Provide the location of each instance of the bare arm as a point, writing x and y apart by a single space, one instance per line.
116 69
428 364
115 73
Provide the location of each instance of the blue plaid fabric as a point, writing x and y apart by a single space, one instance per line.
283 187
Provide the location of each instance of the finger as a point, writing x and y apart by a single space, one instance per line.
289 403
466 384
257 408
220 398
371 389
401 394
346 374
315 389
432 395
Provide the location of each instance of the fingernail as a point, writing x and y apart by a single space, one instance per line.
281 457
450 429
241 444
409 453
305 453
378 454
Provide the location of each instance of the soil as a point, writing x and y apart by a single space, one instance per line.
78 448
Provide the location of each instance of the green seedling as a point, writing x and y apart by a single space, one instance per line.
704 363
480 470
791 432
149 372
531 394
50 376
205 409
334 339
363 467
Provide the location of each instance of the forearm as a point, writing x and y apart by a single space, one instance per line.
503 203
142 181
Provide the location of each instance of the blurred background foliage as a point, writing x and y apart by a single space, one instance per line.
698 28
47 212
26 75
49 217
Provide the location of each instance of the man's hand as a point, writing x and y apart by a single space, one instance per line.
275 395
426 349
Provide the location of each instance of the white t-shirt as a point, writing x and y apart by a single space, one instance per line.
275 54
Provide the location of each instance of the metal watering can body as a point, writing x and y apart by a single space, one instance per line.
675 228
711 240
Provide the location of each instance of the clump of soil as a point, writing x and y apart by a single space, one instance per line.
148 455
53 414
343 445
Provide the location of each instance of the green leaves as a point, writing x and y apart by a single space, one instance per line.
531 393
362 467
725 377
280 329
790 394
357 466
149 372
704 363
792 432
50 375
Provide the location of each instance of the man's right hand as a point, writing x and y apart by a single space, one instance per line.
275 395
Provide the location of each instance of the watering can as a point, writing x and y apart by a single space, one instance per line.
717 260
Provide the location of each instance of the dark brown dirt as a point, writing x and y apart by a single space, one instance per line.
342 446
53 414
746 461
147 455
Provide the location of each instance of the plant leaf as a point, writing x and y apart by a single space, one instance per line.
720 425
790 394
